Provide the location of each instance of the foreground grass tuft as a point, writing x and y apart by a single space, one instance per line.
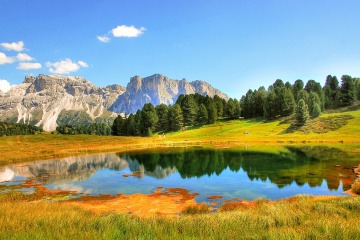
296 218
197 209
356 186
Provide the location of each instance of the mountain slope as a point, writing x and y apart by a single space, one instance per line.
158 89
49 101
43 99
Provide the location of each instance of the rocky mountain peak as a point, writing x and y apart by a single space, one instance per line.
51 100
158 89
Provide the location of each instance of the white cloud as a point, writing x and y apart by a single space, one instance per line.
83 64
28 66
103 39
127 31
5 85
65 66
14 46
23 57
5 59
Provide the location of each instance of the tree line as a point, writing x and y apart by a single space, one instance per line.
189 110
9 129
101 129
279 100
305 100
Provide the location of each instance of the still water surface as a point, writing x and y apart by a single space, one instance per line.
229 173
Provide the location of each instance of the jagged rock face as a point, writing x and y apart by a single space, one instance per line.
51 100
158 89
40 100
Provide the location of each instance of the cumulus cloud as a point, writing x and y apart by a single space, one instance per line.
103 39
14 46
5 86
5 59
23 57
83 64
65 66
127 31
28 65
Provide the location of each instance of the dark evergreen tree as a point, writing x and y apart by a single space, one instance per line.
314 104
246 104
148 119
347 91
258 101
175 118
312 86
233 109
130 126
189 110
278 84
161 111
297 87
211 109
331 91
287 102
316 111
302 112
117 127
202 115
137 124
270 105
219 106
302 94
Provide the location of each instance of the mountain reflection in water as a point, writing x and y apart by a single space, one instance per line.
294 165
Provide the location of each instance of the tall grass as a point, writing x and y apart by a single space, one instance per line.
298 218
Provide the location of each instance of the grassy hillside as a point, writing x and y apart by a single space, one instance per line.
329 127
31 217
340 127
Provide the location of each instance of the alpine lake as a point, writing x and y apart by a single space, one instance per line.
226 173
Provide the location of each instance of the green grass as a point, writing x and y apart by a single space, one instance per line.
342 127
298 218
330 127
30 217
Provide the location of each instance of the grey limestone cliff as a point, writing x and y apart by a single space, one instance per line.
158 89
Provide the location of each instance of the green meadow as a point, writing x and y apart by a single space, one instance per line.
302 217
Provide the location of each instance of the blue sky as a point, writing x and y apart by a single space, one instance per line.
233 45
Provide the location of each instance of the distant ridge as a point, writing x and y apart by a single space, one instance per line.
52 100
158 89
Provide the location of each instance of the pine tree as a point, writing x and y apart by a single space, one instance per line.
347 91
270 105
175 118
189 109
202 115
313 104
117 126
331 90
148 119
302 112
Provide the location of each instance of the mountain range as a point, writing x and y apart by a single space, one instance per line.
52 100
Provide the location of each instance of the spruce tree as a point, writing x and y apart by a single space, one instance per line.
148 119
117 126
347 91
189 110
202 115
302 112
